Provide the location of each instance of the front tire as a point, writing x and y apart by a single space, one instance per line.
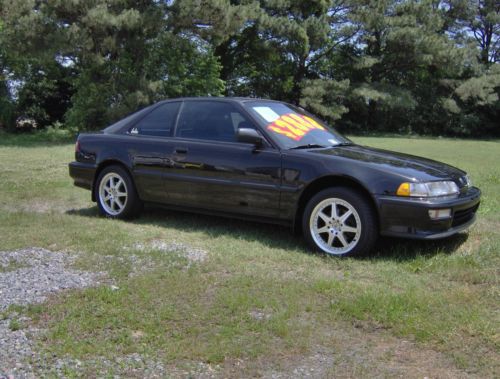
340 221
116 194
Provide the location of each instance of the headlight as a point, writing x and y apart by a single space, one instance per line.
428 189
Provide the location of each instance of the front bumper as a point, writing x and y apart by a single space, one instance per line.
409 218
82 174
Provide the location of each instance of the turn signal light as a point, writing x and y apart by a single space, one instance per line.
403 190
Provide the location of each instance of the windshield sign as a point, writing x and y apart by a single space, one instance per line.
294 128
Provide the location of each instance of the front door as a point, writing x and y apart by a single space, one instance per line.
210 170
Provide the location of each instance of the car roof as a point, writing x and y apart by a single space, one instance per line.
217 98
122 123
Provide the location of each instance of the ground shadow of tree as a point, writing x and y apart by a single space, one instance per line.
276 236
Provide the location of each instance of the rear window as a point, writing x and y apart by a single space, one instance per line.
159 122
117 126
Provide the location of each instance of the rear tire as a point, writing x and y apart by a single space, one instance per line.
340 221
116 194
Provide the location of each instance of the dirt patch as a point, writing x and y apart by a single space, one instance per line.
37 206
142 262
350 352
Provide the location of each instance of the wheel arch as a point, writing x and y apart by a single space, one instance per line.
328 182
102 166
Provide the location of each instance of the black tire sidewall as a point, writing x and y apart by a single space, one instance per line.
133 206
367 215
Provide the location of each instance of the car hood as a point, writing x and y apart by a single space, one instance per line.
411 167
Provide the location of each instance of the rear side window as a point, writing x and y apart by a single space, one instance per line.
210 120
159 122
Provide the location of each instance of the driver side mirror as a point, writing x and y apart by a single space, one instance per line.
247 135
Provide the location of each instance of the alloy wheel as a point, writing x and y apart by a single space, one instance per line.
335 226
113 193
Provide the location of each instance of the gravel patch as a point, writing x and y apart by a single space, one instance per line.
42 272
30 275
135 366
39 273
130 366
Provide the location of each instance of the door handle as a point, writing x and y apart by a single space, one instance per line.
181 150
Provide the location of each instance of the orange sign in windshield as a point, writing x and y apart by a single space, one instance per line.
294 126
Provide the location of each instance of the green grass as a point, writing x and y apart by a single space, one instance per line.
443 295
49 136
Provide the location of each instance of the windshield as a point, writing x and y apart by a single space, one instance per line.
293 127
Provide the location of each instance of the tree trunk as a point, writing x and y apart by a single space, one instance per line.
299 76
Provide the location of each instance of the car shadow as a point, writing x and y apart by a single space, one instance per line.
399 249
275 236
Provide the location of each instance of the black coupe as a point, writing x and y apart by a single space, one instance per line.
273 162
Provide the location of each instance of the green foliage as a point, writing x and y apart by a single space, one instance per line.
199 75
475 104
45 95
115 56
481 90
276 51
387 66
213 20
325 97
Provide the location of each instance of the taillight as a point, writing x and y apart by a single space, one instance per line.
77 147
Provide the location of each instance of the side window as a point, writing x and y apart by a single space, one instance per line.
210 120
159 122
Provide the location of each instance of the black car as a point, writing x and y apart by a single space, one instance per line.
272 162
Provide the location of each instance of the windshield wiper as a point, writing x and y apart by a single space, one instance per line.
343 144
308 146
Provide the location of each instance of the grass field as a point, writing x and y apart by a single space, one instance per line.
260 303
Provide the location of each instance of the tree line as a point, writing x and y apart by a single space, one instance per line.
398 66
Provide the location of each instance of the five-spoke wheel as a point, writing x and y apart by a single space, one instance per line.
340 221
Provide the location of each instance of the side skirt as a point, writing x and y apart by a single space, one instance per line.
259 219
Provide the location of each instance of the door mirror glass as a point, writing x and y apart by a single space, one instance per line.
247 135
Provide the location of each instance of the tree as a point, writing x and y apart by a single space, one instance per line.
473 105
404 66
179 66
283 46
110 51
401 58
271 49
483 22
45 94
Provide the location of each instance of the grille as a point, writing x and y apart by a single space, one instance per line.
461 217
